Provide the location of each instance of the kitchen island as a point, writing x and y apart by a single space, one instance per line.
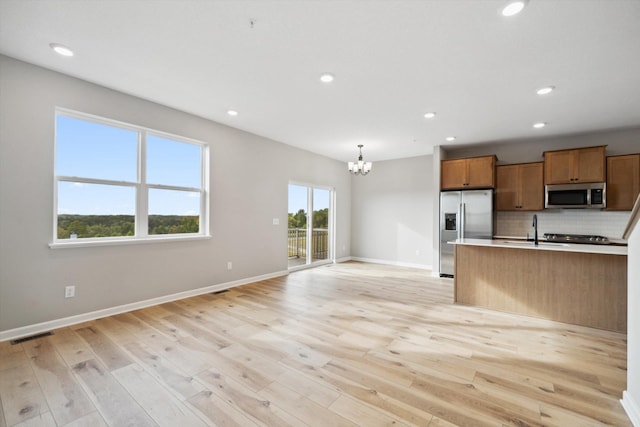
580 284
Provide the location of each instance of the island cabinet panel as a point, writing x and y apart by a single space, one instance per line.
520 187
586 289
623 181
473 172
575 166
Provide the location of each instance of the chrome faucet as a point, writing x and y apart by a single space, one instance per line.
535 229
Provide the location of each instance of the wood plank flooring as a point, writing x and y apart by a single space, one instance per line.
351 344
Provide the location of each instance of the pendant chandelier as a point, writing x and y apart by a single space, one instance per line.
360 167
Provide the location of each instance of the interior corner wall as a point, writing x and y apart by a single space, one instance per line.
438 155
244 201
392 213
631 399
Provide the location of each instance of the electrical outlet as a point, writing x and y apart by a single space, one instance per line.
229 265
69 291
276 221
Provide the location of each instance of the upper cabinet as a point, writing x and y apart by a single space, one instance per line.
520 187
473 172
623 181
575 166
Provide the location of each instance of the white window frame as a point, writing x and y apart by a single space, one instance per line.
141 187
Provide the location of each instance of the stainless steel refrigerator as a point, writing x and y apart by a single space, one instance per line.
463 214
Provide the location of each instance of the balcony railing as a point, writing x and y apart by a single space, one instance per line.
297 243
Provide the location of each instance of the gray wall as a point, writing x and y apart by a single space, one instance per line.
392 212
244 200
631 397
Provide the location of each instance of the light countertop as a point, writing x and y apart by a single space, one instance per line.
613 240
544 246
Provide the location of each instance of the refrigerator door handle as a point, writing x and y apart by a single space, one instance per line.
461 221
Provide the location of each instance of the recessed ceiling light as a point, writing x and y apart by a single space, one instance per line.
545 90
539 125
513 7
429 115
450 138
60 49
327 77
232 112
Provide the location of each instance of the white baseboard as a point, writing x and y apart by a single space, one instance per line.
389 262
632 408
84 317
343 259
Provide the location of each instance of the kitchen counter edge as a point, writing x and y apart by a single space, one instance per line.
544 246
633 219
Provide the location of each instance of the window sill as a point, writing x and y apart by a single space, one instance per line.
81 243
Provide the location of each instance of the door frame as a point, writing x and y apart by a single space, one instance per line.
331 217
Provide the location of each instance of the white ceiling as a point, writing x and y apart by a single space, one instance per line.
393 61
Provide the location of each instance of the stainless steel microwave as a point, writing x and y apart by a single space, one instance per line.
576 196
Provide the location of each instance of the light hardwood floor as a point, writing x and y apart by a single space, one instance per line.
350 344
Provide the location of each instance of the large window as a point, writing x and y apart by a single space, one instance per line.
115 181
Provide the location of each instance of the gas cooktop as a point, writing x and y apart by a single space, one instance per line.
577 238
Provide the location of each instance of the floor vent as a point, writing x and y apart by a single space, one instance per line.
220 292
29 338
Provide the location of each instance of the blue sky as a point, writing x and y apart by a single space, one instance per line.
91 150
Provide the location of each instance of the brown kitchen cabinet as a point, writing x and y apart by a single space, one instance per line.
520 187
623 181
472 172
575 166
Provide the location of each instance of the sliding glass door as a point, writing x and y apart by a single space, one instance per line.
297 231
310 234
320 224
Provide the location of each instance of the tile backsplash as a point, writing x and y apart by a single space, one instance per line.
569 221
